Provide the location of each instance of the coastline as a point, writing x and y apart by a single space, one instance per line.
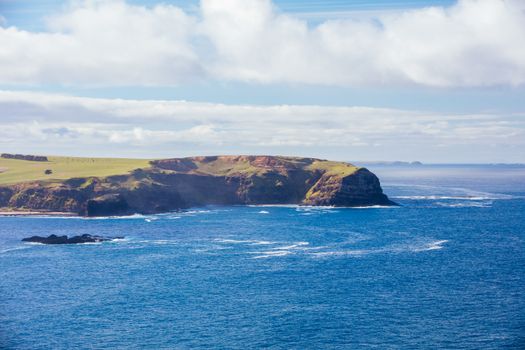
6 212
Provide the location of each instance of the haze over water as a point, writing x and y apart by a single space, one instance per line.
443 270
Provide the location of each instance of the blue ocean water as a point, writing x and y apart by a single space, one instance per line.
444 270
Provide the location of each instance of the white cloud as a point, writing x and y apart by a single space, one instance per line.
101 43
59 124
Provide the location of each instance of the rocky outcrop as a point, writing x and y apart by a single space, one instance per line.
54 239
361 188
174 184
24 157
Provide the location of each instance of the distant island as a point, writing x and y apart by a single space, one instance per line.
116 186
391 163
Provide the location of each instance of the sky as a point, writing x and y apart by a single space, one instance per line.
436 81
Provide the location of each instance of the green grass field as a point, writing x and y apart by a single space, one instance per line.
334 168
224 166
16 171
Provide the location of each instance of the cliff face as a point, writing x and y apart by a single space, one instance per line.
361 188
173 184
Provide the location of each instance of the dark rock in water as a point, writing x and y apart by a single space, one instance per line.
54 239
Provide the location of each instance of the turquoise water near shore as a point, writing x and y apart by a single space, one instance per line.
444 270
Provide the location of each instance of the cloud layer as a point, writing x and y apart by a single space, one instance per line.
112 43
59 124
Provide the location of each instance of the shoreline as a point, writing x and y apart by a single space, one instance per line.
23 213
35 213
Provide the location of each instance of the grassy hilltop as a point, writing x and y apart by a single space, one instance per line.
16 171
62 168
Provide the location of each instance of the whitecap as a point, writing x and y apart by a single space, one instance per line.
436 197
264 212
193 212
163 242
119 240
274 205
435 245
263 243
341 253
292 246
375 207
233 241
465 205
446 193
6 250
271 254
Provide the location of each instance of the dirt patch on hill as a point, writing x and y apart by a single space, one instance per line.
3 170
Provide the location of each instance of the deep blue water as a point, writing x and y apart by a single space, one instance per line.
445 270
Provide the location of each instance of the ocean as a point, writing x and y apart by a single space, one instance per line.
445 269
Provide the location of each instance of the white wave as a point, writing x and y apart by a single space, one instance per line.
271 254
263 243
416 247
190 212
252 242
162 242
152 241
356 252
465 205
119 240
403 248
6 250
436 245
436 197
442 192
292 246
375 207
273 205
233 241
314 207
43 216
124 217
264 212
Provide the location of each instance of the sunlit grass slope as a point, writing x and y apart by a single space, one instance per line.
63 168
15 171
232 165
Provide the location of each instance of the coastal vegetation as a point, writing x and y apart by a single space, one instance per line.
62 168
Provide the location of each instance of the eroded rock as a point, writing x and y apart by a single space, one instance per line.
54 239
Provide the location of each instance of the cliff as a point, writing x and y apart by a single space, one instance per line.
172 184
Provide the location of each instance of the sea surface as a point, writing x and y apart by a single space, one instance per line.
445 270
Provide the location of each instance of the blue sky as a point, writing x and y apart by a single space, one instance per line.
437 81
28 14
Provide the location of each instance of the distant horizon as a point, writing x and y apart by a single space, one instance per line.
374 162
